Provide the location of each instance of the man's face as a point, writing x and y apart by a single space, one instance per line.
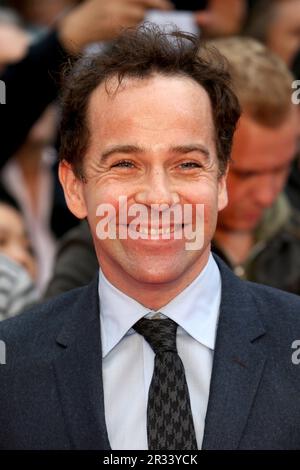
151 141
261 159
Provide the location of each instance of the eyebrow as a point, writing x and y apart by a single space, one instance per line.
132 149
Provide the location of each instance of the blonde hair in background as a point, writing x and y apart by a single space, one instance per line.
261 80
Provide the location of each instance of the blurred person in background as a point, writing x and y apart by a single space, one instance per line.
221 18
215 17
258 233
28 177
32 84
276 23
18 269
41 13
14 40
209 18
293 185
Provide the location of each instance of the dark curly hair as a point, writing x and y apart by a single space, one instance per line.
139 53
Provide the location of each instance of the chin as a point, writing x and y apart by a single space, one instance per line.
157 273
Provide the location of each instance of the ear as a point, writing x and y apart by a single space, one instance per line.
222 190
73 189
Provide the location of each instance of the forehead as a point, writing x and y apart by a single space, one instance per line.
258 147
148 108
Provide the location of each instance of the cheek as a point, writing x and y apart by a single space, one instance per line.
208 197
95 196
210 214
103 207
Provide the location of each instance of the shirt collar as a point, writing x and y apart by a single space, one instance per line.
195 309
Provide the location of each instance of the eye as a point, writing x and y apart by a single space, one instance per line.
190 165
123 164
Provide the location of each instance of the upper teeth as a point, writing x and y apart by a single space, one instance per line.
155 231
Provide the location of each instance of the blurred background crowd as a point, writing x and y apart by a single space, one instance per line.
44 250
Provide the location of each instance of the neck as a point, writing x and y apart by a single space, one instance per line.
146 293
236 245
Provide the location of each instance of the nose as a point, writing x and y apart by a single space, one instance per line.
267 191
157 189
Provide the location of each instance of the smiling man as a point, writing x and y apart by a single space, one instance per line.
152 149
166 349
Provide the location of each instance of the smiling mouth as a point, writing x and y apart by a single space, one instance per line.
157 231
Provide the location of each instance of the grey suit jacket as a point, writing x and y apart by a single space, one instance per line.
51 391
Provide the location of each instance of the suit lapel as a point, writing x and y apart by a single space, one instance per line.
79 373
239 360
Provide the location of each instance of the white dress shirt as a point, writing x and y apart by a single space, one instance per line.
128 360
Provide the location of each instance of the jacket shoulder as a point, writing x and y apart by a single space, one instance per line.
277 307
32 333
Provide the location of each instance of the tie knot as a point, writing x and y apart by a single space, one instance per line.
160 334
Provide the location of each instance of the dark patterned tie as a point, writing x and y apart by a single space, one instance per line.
169 418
